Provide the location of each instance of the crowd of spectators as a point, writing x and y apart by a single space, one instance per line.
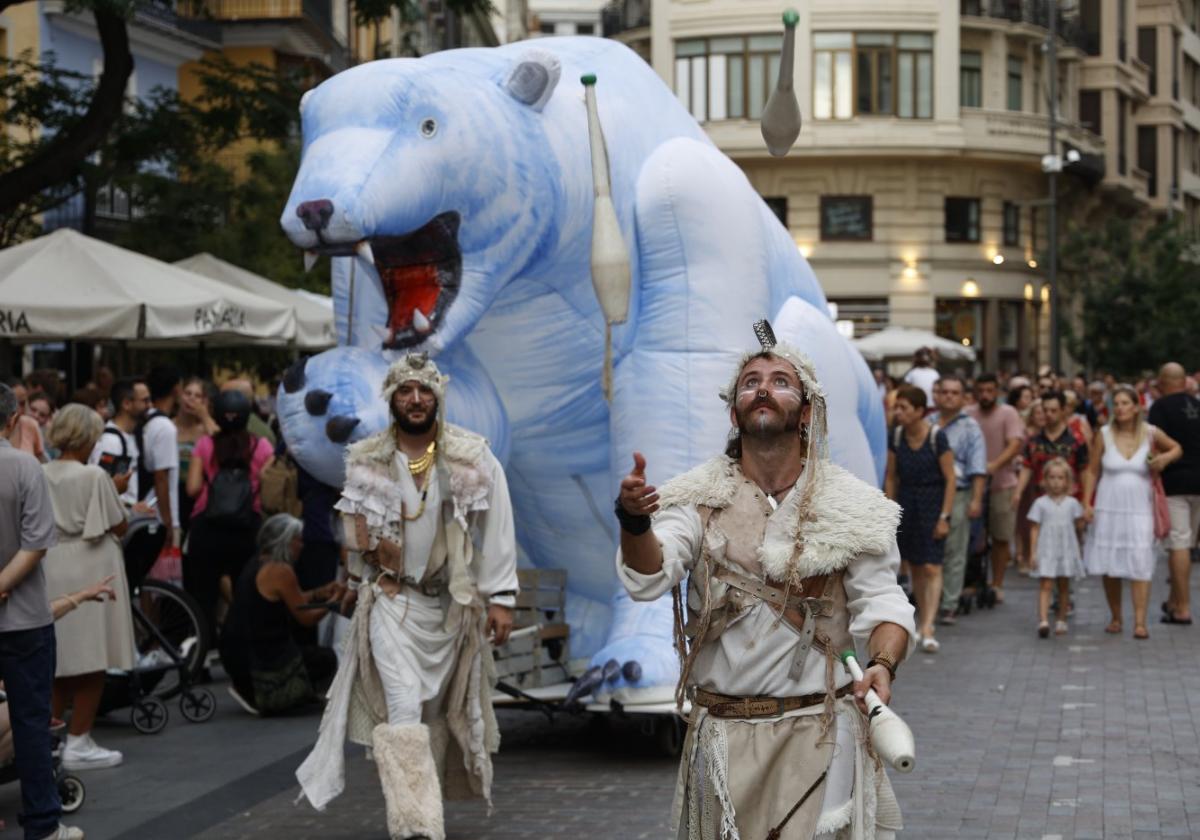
199 464
1056 476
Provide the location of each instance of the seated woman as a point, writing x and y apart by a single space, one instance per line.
272 674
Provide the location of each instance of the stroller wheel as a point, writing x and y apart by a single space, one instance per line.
198 705
148 715
72 793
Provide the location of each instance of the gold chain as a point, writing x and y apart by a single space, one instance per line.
416 468
420 465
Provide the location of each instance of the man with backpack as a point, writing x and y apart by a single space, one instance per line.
158 446
117 450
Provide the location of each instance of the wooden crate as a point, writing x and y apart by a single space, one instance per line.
540 657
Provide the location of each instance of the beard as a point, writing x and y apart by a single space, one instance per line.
768 426
411 427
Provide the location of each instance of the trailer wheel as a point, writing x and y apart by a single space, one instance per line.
669 732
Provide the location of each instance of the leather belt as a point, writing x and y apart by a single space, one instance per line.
429 588
725 706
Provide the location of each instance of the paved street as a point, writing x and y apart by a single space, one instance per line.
1085 736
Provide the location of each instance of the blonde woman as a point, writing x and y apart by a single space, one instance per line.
90 519
1120 543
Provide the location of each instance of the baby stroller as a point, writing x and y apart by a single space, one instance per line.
71 790
171 640
976 589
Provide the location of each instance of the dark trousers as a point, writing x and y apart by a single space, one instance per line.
215 550
27 668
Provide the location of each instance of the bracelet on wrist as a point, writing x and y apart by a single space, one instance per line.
632 523
884 660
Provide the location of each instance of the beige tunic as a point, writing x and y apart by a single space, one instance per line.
739 778
98 635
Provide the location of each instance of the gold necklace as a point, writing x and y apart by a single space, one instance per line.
416 468
420 465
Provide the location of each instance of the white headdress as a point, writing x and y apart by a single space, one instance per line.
415 367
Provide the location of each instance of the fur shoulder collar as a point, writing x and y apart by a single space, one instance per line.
455 444
846 517
711 484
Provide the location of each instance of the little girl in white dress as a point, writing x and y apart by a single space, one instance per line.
1056 520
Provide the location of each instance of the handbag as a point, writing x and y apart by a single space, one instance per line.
281 689
1162 511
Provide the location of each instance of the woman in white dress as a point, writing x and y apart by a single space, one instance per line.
96 636
1120 542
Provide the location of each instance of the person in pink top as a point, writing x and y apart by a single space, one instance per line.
1003 436
224 522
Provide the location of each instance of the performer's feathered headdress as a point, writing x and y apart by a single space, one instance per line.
416 367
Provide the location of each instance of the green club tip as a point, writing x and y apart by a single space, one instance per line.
846 654
791 17
588 79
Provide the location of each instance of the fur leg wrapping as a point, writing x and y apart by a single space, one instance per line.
410 781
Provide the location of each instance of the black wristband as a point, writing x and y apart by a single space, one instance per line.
632 524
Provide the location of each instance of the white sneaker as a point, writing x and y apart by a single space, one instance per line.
157 658
65 832
82 753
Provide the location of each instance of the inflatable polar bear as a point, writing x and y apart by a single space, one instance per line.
467 174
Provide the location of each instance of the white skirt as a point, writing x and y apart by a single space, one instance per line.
1120 541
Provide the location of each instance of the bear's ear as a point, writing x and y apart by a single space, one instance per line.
533 78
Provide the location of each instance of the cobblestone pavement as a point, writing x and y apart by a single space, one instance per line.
1082 736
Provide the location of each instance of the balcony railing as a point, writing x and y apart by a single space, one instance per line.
1032 12
622 15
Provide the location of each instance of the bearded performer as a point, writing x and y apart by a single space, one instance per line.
426 512
791 561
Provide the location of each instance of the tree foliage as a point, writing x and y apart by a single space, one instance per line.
1132 287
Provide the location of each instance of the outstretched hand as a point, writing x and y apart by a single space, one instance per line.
637 498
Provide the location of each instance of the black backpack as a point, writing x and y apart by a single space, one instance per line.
145 476
231 495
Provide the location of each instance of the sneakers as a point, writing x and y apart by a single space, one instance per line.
82 753
65 832
242 701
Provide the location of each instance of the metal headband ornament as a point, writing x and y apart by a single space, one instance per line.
768 343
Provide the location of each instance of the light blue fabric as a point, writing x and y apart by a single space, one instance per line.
970 451
393 144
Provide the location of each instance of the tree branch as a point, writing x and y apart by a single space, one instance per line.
58 161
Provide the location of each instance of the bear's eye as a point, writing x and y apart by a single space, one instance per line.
428 127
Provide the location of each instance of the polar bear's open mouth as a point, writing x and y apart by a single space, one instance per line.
420 273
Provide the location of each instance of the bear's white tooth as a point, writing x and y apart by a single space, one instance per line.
421 323
364 250
310 259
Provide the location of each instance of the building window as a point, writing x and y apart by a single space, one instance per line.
970 80
546 28
872 73
961 321
727 78
1122 28
869 315
1012 224
585 28
962 219
846 218
1122 137
1089 110
1148 52
779 206
1147 155
1089 20
112 202
1014 83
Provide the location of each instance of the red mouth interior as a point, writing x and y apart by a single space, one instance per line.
410 287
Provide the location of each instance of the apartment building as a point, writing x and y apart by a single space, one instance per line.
916 189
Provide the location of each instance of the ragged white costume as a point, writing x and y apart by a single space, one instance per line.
415 679
830 541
